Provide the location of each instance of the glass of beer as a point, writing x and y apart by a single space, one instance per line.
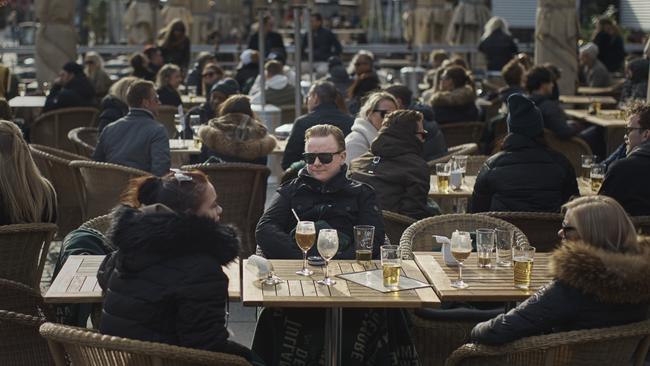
195 123
328 245
460 163
484 247
587 162
504 239
191 92
22 89
364 236
443 170
597 175
460 250
305 237
391 262
522 259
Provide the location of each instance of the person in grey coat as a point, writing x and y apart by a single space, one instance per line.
593 72
137 140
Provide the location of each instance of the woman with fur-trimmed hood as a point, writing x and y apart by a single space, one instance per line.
601 274
236 135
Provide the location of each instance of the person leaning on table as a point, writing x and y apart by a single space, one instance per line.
600 272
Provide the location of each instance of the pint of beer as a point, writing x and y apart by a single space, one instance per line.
391 262
597 176
443 170
523 266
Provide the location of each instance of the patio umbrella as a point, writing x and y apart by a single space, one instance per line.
467 22
646 52
556 39
141 21
56 37
178 9
115 26
431 22
201 21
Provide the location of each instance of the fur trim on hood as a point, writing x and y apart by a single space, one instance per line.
612 277
457 97
146 237
237 135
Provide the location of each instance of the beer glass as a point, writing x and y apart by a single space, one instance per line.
328 245
191 92
391 262
442 172
484 247
587 162
460 250
179 124
522 259
504 239
22 89
597 176
195 124
305 237
364 236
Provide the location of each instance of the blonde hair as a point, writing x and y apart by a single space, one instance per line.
602 222
362 53
121 86
493 24
373 100
324 131
26 196
165 73
97 60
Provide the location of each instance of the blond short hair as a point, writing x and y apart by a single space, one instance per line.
324 131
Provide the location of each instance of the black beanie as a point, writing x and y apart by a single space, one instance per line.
524 117
226 86
73 68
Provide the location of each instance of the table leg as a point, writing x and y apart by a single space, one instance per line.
333 336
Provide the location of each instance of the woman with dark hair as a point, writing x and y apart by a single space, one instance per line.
165 283
210 75
175 45
236 135
635 85
195 76
611 49
168 80
140 67
363 85
600 278
454 102
526 175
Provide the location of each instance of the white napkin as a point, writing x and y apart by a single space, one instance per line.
259 265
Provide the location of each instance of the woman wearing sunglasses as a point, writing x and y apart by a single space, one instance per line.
210 75
600 272
367 124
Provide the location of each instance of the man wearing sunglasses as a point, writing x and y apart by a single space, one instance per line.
627 180
323 194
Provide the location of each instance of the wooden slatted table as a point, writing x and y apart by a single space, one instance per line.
611 119
495 284
77 281
181 150
27 101
583 99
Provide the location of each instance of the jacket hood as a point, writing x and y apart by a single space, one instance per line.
516 141
147 237
277 82
457 97
339 73
642 150
111 101
365 128
237 135
611 277
395 140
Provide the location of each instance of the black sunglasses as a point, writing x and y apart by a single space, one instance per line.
324 158
382 112
209 74
629 130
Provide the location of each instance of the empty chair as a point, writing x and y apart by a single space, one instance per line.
395 224
166 117
51 128
572 148
23 251
539 227
89 348
54 165
84 140
459 133
102 185
241 188
615 346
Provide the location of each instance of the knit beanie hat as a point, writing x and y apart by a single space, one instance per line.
226 86
524 117
73 68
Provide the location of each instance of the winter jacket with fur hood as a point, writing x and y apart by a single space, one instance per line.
358 141
165 282
455 106
237 137
592 288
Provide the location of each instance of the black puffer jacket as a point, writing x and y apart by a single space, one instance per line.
627 181
341 203
593 288
526 176
394 167
112 109
498 48
165 283
554 117
78 92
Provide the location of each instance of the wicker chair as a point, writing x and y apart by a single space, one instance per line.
621 345
459 133
418 236
572 148
242 193
642 224
22 312
102 184
540 227
166 117
23 251
54 165
395 224
52 128
100 223
89 348
464 149
84 140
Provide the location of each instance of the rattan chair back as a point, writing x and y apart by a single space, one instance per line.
642 224
395 224
464 149
89 348
102 185
459 133
52 128
572 148
166 118
23 251
540 227
614 346
418 236
84 140
474 164
288 113
54 165
100 223
242 193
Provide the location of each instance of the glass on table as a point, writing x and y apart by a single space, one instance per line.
391 264
484 247
587 161
45 87
191 92
461 248
364 236
522 258
178 123
596 176
443 171
504 239
305 237
328 245
22 89
195 124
